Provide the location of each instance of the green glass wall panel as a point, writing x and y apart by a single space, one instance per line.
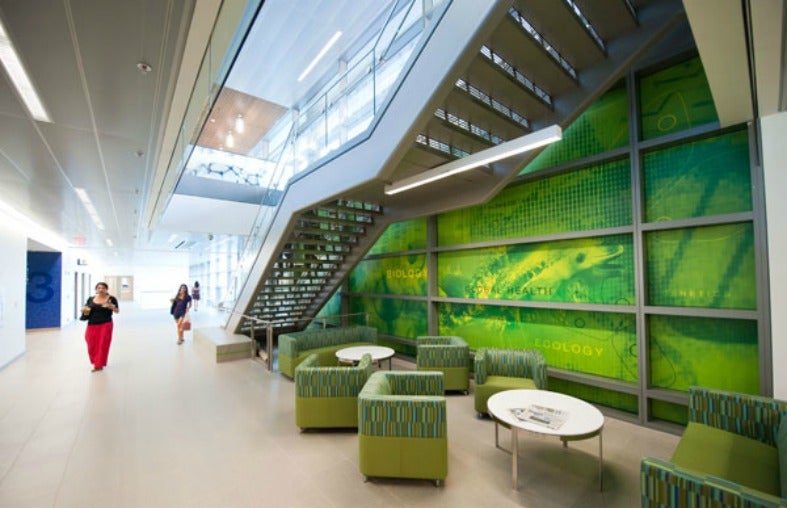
716 353
698 179
398 275
333 307
667 411
602 127
401 318
675 99
597 343
617 400
590 198
709 266
586 270
401 237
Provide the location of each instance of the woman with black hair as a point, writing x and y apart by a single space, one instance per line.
180 308
98 312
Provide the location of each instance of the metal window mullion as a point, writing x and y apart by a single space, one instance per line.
640 282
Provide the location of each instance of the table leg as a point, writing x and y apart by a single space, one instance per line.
496 431
389 363
514 456
600 464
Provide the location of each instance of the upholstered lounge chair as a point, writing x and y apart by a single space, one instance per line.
328 396
402 431
449 355
732 453
507 369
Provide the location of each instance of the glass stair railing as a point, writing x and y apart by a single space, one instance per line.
335 118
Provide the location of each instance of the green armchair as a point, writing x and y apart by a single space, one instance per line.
449 355
732 453
507 369
402 431
327 397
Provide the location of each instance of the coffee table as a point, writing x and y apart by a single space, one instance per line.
581 420
355 353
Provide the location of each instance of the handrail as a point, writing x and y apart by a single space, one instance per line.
269 329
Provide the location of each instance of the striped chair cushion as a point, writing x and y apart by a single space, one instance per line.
402 416
754 417
315 381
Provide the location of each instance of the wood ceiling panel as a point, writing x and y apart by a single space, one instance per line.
258 116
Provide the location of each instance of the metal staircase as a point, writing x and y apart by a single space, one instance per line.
489 72
324 244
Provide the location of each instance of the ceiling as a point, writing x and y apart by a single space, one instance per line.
106 115
108 118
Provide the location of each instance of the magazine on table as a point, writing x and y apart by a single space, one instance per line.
541 415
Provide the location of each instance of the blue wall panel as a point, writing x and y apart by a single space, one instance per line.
44 279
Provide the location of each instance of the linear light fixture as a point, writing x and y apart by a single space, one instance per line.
319 56
502 151
91 210
20 79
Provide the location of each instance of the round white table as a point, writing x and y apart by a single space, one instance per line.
540 411
355 353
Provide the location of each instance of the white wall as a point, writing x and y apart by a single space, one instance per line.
157 276
774 154
13 287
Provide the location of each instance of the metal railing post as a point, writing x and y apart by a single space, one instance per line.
269 345
253 341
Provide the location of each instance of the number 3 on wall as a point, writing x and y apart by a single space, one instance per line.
39 287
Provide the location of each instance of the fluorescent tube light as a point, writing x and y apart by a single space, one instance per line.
91 210
502 151
319 56
16 71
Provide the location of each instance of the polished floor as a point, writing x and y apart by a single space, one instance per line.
163 425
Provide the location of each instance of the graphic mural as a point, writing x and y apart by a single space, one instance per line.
592 198
518 283
597 343
586 270
727 347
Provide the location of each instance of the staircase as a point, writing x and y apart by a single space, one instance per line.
488 72
325 243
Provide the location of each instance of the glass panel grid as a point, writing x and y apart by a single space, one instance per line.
699 178
592 198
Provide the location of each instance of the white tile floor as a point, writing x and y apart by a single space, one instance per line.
163 425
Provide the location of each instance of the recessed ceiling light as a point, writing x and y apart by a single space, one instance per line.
240 124
144 67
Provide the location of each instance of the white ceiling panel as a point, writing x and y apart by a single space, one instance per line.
204 215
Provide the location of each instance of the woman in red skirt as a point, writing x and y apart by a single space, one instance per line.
98 310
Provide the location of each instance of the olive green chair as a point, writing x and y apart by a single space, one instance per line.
497 370
402 429
447 354
327 396
732 453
